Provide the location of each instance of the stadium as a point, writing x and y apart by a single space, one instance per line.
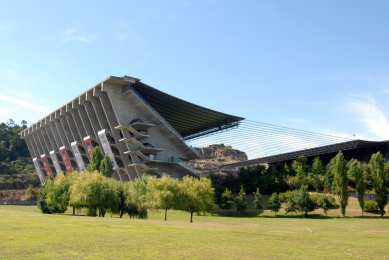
142 129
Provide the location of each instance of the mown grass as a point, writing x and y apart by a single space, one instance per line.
28 234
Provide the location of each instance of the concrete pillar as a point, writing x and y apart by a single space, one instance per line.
113 122
77 121
56 122
91 114
30 146
98 111
63 124
84 119
45 138
71 125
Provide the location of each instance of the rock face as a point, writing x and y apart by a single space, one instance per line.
215 155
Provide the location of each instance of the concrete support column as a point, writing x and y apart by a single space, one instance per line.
84 119
91 114
71 125
57 125
113 122
77 122
45 139
98 111
30 146
63 124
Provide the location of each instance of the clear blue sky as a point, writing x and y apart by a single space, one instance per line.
316 65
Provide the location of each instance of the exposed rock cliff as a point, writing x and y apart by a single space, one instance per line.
215 155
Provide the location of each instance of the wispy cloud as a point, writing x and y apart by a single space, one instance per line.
71 35
370 114
23 103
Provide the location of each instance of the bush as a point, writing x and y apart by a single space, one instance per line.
285 196
31 193
318 199
371 206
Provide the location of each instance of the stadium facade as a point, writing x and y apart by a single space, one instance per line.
142 130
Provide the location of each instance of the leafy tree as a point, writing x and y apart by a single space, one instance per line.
96 157
304 202
163 193
137 193
338 166
257 200
316 172
291 205
31 193
106 166
43 204
95 192
241 201
59 194
274 203
196 195
226 200
379 181
300 166
356 170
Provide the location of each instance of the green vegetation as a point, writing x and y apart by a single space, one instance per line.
241 201
226 200
274 203
379 181
16 168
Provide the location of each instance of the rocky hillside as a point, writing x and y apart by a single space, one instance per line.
215 155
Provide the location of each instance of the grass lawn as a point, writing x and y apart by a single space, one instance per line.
28 234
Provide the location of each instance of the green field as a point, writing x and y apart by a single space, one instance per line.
28 234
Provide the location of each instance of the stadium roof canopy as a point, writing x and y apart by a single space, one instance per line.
188 119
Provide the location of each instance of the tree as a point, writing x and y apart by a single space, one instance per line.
356 170
96 157
31 193
338 166
196 195
304 202
226 200
163 192
59 194
241 201
291 205
43 204
274 203
106 166
379 181
137 193
300 166
95 192
316 171
257 200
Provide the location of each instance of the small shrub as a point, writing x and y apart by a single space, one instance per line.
371 206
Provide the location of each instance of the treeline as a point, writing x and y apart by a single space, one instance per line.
16 168
97 195
339 177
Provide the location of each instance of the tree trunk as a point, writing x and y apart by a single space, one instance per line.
165 213
121 213
74 211
191 216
